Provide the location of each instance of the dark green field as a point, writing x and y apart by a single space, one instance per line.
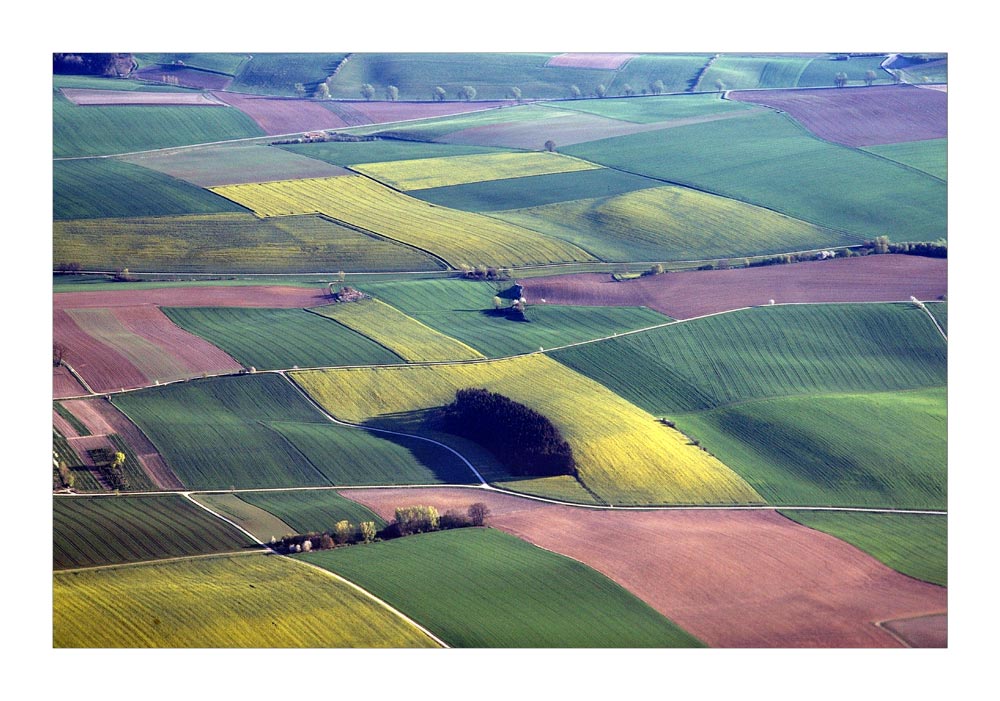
770 161
768 352
312 511
277 74
91 531
534 190
113 129
460 308
94 188
939 311
886 449
278 339
257 431
914 544
346 153
477 587
83 478
930 156
218 62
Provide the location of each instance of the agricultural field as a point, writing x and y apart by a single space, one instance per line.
232 602
453 236
606 445
592 350
91 531
439 580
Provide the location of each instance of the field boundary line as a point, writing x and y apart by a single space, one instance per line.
187 495
881 624
923 306
78 377
140 563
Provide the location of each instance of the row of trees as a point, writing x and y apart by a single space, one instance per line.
111 465
409 520
527 442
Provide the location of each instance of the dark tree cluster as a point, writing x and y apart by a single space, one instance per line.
91 64
523 439
930 249
111 465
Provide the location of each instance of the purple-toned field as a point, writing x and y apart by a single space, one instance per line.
610 62
90 97
868 116
184 77
383 112
64 384
283 115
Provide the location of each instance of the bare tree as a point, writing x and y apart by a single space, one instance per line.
870 77
439 94
367 91
840 80
478 513
392 93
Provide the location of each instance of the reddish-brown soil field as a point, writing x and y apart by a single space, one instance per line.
923 631
861 116
565 129
102 418
732 578
103 368
64 384
249 296
87 96
63 426
277 115
611 62
877 278
186 77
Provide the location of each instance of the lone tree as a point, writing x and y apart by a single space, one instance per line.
392 93
627 90
719 85
600 90
870 77
840 80
322 92
467 93
367 91
439 94
478 513
550 145
575 92
300 90
516 93
656 87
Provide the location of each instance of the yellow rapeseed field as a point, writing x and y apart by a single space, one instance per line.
455 236
623 454
402 334
423 173
254 601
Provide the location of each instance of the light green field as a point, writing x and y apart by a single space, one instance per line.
622 453
277 73
262 524
423 173
476 587
345 153
650 109
106 530
930 156
229 243
914 544
886 449
747 72
455 236
672 223
461 309
311 510
403 335
218 62
226 602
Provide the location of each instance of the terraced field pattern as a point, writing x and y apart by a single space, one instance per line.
711 288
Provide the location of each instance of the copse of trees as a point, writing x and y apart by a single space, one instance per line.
526 441
92 64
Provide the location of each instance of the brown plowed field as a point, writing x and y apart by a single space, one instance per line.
277 115
102 418
187 77
923 631
89 96
877 278
610 62
104 368
64 384
731 578
567 129
63 426
249 296
886 114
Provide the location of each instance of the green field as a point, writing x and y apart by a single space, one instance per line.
930 156
438 127
769 71
401 334
346 153
276 339
477 587
768 352
93 82
229 243
883 449
92 531
535 191
914 544
113 129
88 189
260 523
623 455
83 478
652 109
940 313
769 160
461 309
257 431
491 74
226 602
313 510
277 74
672 223
677 71
217 62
